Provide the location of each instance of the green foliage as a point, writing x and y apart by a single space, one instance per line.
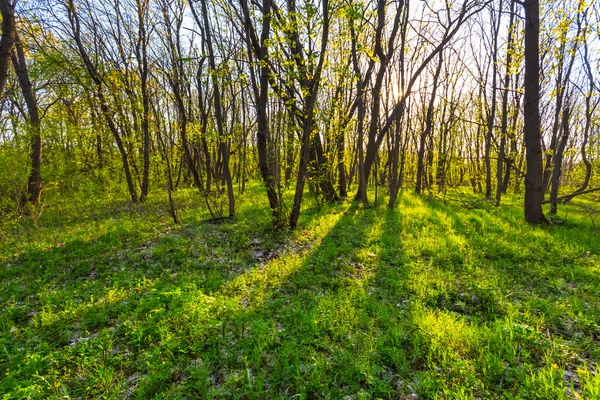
110 299
13 179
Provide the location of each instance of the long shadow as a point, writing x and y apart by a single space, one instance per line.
422 328
338 308
289 331
393 297
458 334
59 298
533 257
543 291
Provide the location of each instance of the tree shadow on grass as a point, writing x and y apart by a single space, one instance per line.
360 301
539 292
535 257
473 312
122 286
295 326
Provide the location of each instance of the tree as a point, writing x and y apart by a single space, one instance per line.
258 46
7 10
556 173
99 84
34 184
534 185
11 46
223 142
500 187
141 53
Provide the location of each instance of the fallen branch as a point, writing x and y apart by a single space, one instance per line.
568 197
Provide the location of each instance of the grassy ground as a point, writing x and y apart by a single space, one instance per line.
106 299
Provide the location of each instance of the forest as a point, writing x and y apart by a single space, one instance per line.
300 199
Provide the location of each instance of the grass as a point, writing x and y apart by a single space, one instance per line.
103 299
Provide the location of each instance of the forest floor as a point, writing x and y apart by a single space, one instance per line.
107 299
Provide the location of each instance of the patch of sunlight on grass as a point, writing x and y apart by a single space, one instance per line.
250 290
428 298
448 334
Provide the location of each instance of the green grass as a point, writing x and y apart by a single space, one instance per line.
103 299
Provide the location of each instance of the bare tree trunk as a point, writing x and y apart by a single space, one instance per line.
34 184
398 148
361 195
289 149
302 169
341 148
223 145
396 178
504 123
142 56
7 42
558 160
428 126
534 188
266 159
514 151
165 155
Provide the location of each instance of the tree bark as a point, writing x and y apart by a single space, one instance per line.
504 123
142 56
7 41
361 194
428 126
341 149
534 188
266 158
223 145
558 161
34 183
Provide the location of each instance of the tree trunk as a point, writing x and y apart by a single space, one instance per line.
223 145
504 124
320 160
302 170
7 42
142 56
514 150
341 148
266 159
534 188
558 161
34 183
361 195
428 127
